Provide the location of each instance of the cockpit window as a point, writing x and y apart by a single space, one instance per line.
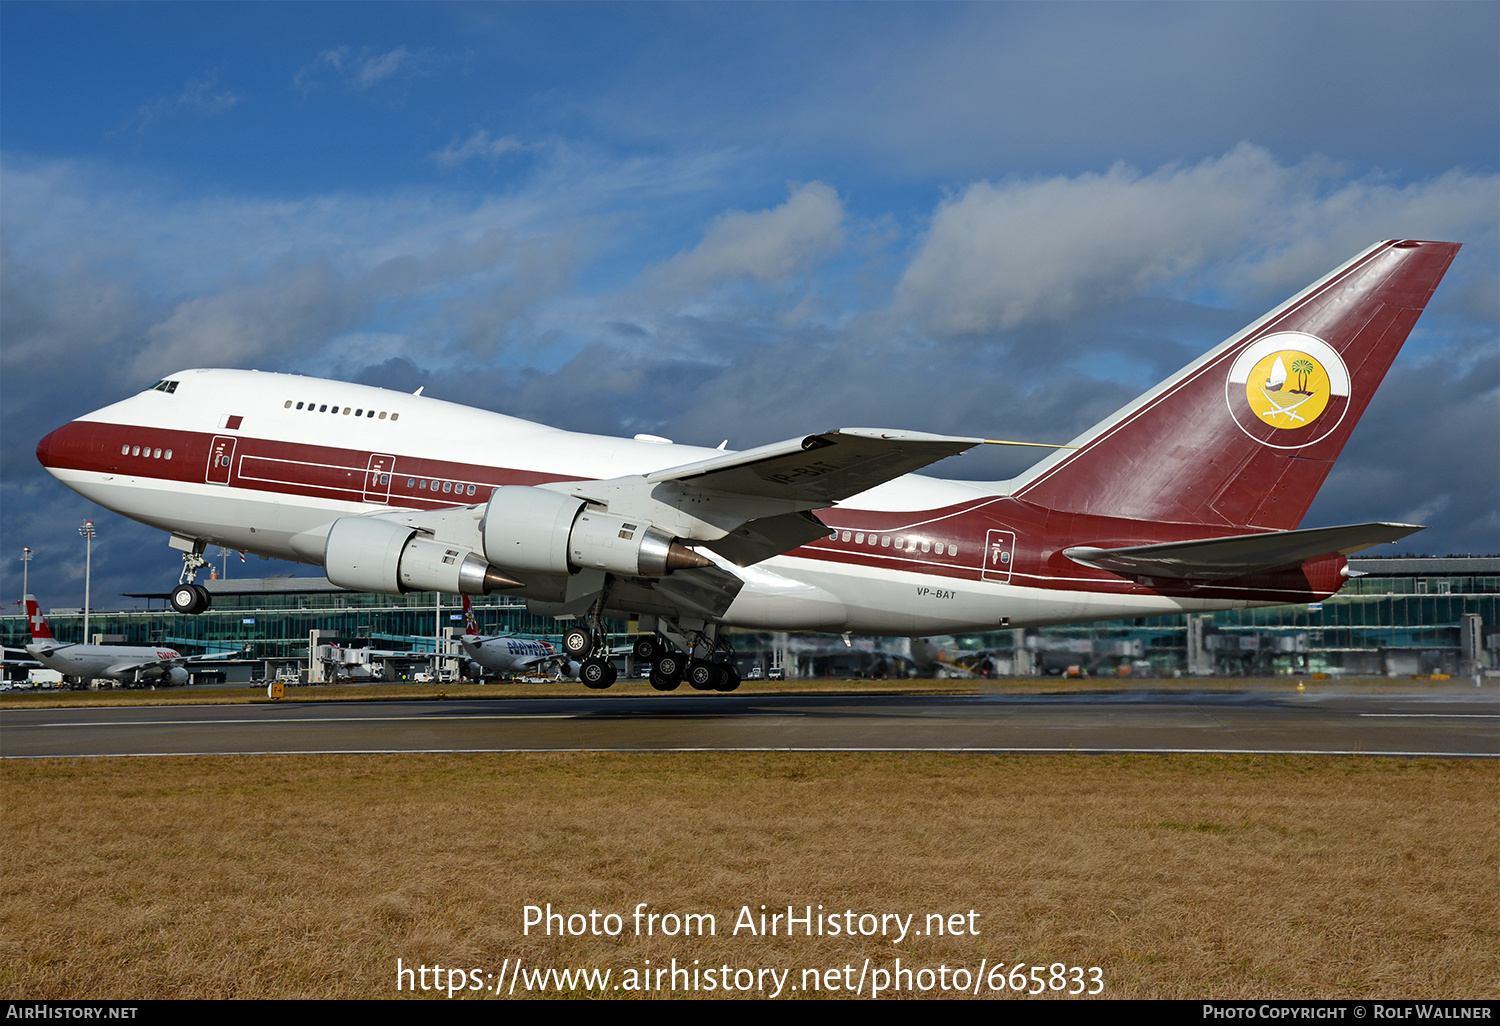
164 386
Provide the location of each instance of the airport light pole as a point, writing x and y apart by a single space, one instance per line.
25 573
87 530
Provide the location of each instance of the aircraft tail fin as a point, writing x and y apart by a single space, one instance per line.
1245 435
39 629
471 625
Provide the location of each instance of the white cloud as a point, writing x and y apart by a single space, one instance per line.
478 146
767 246
198 97
363 70
998 256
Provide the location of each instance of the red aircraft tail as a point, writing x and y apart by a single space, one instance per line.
1245 435
39 629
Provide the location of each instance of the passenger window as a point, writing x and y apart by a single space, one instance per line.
359 413
156 455
167 455
952 550
846 536
885 541
859 539
447 487
422 484
926 545
135 450
382 415
287 405
900 542
323 408
471 489
393 416
124 450
299 406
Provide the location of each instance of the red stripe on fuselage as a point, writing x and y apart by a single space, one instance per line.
288 468
956 536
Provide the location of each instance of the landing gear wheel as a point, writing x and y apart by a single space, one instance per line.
647 648
596 673
190 598
578 642
669 666
661 683
728 678
702 674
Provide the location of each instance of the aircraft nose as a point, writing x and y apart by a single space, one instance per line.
65 447
49 449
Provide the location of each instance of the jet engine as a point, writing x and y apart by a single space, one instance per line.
178 676
534 530
379 555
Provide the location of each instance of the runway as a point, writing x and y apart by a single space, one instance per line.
1451 723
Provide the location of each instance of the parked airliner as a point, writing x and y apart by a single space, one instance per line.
130 664
1190 498
489 654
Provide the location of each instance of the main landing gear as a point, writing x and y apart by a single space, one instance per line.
189 597
712 671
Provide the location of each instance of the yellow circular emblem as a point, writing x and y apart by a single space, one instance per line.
1287 389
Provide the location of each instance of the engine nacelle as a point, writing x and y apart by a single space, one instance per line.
533 530
178 676
370 554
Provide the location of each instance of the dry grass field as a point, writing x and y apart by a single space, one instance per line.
1227 877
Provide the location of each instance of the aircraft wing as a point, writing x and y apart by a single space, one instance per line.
206 657
751 505
818 469
163 665
1239 556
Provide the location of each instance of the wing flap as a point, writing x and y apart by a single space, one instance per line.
767 537
1239 556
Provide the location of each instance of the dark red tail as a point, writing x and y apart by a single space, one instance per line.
1245 435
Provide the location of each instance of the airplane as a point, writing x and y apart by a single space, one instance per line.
130 664
503 653
1188 499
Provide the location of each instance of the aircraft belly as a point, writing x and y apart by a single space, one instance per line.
914 604
262 522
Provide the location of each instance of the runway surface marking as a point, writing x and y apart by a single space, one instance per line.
859 749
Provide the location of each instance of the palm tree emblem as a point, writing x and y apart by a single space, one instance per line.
1302 368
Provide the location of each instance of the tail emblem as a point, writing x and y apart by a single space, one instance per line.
1291 382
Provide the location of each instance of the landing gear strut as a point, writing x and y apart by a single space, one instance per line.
590 643
189 597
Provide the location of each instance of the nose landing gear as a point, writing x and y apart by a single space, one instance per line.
188 597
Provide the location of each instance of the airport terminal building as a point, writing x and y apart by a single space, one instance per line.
1404 616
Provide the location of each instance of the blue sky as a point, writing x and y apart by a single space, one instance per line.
741 221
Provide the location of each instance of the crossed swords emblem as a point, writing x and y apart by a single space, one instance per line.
1290 409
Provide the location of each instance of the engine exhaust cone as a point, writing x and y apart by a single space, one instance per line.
494 581
680 557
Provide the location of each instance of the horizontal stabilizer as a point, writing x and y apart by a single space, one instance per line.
818 469
1239 556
